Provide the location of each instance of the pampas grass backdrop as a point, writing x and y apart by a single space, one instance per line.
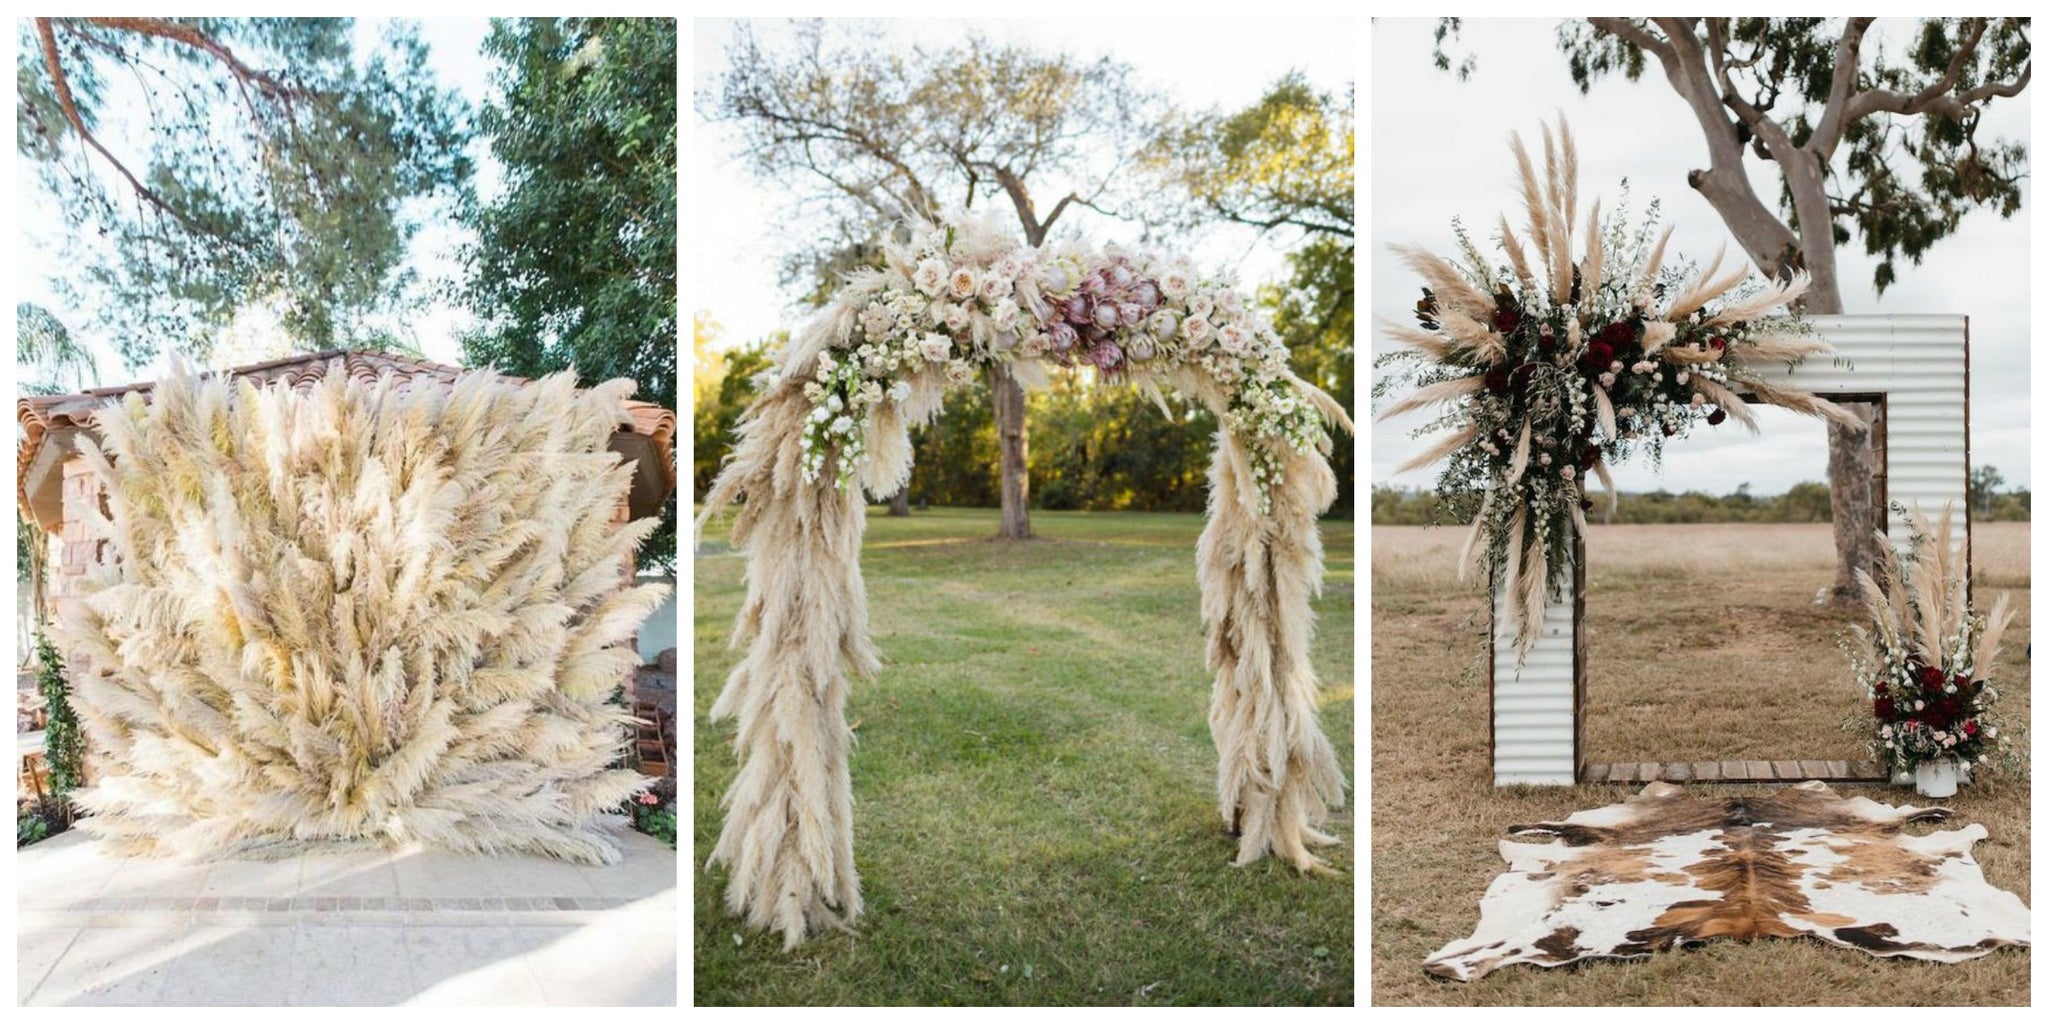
358 611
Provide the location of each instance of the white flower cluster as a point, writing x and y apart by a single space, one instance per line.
963 294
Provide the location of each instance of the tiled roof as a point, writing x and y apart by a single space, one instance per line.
40 414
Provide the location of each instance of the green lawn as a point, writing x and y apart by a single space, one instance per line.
1035 814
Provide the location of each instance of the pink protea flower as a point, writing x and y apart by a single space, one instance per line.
1062 335
1106 355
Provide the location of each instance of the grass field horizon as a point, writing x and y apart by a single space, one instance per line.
1034 782
1703 643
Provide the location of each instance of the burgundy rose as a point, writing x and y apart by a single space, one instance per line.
1617 334
1931 679
1717 343
1970 727
1599 356
1964 685
1951 707
1669 430
1506 319
1520 377
1885 709
1715 418
1497 379
1882 686
1589 455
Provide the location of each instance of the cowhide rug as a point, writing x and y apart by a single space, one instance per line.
1663 869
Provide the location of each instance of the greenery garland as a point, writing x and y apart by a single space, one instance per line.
63 745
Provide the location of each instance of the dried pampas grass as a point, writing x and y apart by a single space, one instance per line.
358 611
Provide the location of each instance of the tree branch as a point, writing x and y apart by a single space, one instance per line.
1627 29
1834 119
62 85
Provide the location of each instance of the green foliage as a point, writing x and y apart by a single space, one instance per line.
218 163
63 744
724 387
1284 161
656 821
29 828
1984 484
575 262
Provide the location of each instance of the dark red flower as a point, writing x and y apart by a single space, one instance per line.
1717 343
1970 727
1715 418
1669 430
1599 356
1589 455
1885 709
1882 686
1497 379
1931 679
1964 685
1506 319
1952 707
1617 334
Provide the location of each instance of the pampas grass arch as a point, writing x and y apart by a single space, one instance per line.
358 612
834 420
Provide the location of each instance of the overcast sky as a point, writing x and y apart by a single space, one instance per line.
1440 150
731 263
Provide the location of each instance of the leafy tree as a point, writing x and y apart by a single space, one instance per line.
1286 161
723 384
203 165
863 136
1984 484
574 266
1865 145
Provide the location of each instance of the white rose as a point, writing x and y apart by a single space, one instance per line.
994 286
930 276
1991 733
1567 472
1682 378
962 283
1202 306
1232 337
1919 705
956 318
1196 328
1009 268
959 373
1174 285
936 348
1004 316
900 391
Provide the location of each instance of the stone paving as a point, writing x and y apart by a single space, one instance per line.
354 927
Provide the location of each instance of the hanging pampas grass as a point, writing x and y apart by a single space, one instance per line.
358 611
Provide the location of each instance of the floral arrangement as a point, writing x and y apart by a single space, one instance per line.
1924 663
962 294
1549 370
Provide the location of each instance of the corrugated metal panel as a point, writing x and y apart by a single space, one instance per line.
1532 702
1920 363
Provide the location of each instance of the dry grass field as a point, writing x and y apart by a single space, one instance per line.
1703 644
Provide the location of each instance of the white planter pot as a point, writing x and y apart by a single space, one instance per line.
1937 778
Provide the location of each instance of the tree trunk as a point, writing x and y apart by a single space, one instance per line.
1857 506
900 504
1008 397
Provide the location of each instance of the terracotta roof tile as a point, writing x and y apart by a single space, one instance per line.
40 414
